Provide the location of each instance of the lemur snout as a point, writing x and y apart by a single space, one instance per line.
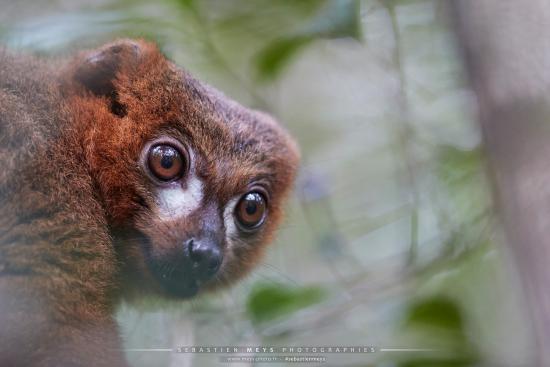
187 267
205 255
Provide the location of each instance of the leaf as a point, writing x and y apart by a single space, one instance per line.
270 301
467 192
337 19
456 164
271 60
437 311
442 322
187 4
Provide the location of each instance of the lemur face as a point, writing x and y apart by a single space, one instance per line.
192 183
197 222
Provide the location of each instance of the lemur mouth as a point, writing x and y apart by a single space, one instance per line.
184 269
176 283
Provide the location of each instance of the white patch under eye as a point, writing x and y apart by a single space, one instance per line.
229 222
176 202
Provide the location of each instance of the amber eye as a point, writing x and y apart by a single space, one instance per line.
251 210
166 162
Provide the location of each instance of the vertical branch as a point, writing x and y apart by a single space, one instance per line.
404 132
507 50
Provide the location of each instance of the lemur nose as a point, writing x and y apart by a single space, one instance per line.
205 255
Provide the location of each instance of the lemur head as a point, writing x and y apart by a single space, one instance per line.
192 183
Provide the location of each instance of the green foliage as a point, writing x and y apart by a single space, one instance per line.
336 19
438 322
271 60
189 4
438 312
270 301
458 165
464 181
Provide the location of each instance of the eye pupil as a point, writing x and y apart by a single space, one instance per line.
251 207
166 160
251 211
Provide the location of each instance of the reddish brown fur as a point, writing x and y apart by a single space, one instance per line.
71 134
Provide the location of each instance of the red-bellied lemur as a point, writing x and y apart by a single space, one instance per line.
122 175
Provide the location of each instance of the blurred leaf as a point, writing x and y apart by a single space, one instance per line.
271 60
337 19
456 164
438 322
270 301
465 186
189 4
437 311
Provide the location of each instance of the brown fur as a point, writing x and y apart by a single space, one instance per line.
75 203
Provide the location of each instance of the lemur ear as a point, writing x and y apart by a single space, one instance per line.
99 69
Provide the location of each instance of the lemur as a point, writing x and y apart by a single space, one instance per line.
123 175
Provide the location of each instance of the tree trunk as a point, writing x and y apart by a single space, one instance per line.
507 51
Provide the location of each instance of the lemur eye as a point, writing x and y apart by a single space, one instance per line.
251 210
166 162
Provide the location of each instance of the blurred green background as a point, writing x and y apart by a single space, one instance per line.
390 238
